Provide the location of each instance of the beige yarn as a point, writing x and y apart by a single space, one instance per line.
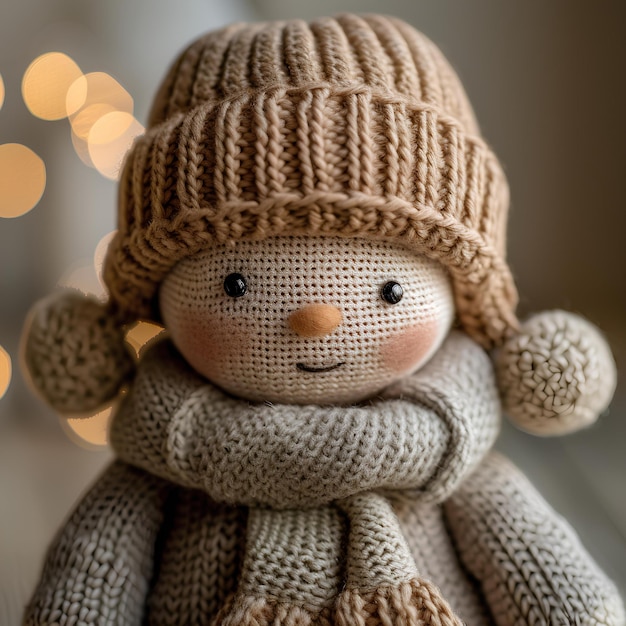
348 126
75 353
557 375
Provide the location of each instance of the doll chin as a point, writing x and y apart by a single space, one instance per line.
338 383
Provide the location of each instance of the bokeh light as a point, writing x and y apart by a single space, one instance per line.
22 179
89 432
93 95
109 140
141 334
100 253
110 127
84 120
5 371
82 149
82 276
95 88
1 91
46 83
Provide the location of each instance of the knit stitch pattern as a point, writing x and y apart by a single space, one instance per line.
285 274
532 566
198 542
556 375
100 564
176 425
315 453
75 353
354 126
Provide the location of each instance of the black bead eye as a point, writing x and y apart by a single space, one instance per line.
235 285
392 292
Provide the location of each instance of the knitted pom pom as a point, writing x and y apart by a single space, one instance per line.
556 375
75 353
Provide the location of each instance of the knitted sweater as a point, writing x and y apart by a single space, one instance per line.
392 512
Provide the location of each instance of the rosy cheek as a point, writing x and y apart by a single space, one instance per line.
405 350
208 344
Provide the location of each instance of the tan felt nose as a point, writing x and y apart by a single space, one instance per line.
315 320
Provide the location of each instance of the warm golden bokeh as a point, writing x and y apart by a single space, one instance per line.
91 98
22 179
5 371
46 83
76 95
100 253
89 432
95 88
81 148
84 120
109 127
1 91
142 333
109 140
82 276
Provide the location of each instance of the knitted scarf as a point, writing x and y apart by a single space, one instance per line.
323 544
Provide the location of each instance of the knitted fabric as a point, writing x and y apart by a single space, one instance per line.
352 126
363 541
532 566
422 434
99 566
557 375
74 353
246 346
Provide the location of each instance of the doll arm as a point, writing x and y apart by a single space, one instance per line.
530 564
99 566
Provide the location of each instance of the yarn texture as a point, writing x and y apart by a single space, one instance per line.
75 353
365 343
557 375
350 126
315 219
283 514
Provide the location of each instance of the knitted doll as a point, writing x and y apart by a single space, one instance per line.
309 214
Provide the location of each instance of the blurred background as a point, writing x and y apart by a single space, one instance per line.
547 83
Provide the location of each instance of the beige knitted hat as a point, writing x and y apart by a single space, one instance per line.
353 126
348 126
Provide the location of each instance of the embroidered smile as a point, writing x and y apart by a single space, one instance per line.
307 368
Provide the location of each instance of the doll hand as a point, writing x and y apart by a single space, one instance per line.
556 375
74 352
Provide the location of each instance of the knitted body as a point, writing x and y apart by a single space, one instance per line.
189 538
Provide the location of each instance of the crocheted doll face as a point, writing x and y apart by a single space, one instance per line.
306 320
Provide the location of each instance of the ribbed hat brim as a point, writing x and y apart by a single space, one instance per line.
316 160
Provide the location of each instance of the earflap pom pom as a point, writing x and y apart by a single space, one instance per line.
74 352
556 375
